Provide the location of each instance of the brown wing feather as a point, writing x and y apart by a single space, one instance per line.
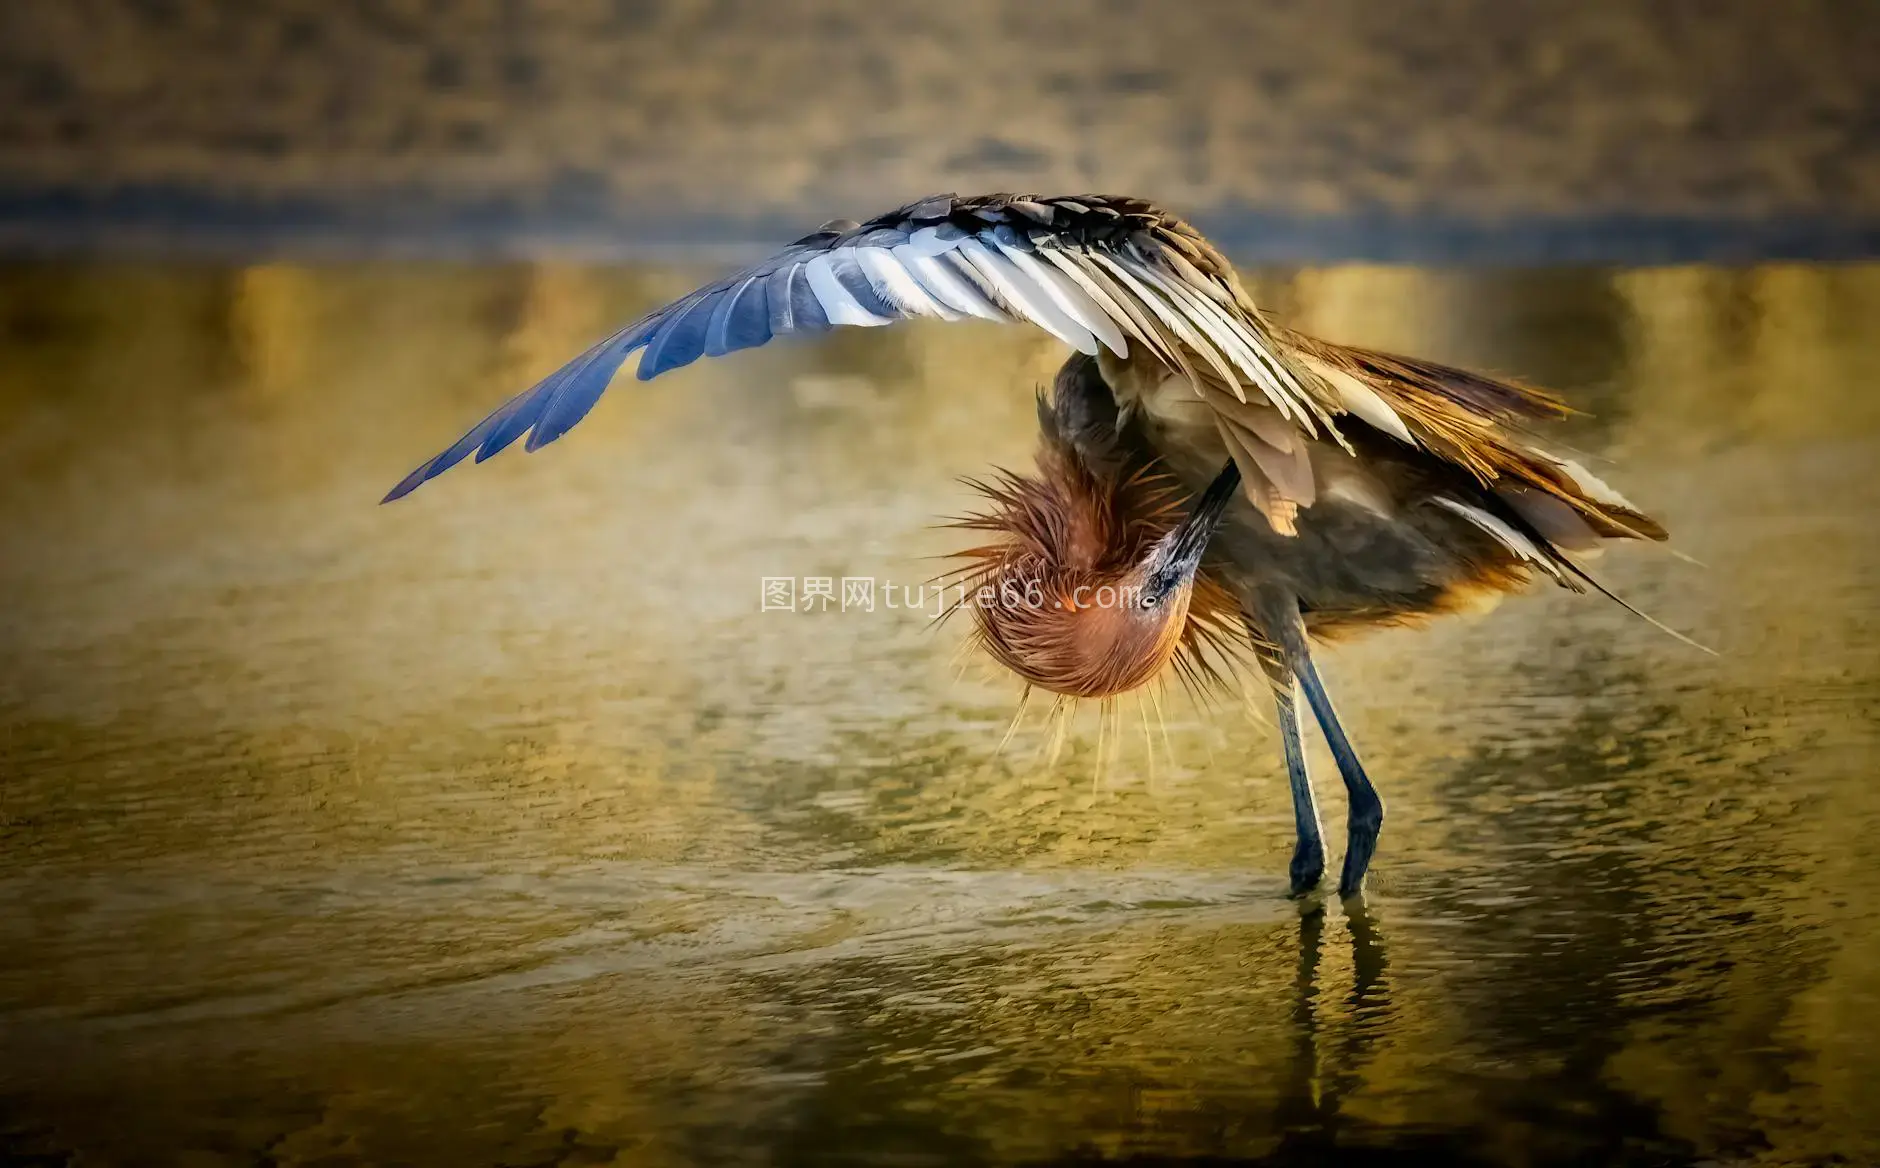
1501 400
1470 420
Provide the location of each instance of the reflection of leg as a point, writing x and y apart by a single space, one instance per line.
1308 860
1369 961
1306 984
1329 1050
1367 1020
1301 1113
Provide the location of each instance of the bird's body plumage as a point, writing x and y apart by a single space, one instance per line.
1392 532
1372 488
1371 548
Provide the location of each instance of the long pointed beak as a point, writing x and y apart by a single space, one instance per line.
1189 542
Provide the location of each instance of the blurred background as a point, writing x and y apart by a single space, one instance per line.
1296 129
503 826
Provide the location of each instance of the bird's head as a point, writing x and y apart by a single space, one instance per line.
1093 584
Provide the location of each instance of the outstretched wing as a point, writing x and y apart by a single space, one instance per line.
1096 271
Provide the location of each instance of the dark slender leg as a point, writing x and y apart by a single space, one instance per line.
1366 816
1308 860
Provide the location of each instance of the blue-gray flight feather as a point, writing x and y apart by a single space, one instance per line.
806 312
770 299
576 395
848 271
542 400
741 321
680 339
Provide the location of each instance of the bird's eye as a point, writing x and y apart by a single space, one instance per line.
1150 600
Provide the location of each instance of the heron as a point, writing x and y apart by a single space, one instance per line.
1208 479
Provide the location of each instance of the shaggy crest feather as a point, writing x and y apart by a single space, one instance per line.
1069 533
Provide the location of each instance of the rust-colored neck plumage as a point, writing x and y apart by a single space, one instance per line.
1058 596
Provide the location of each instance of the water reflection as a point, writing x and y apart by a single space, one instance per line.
328 825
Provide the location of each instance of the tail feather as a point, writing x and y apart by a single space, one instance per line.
1478 422
1588 579
1521 515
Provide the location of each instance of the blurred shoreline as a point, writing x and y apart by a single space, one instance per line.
1450 131
179 224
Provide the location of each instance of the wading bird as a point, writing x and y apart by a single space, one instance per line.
1335 488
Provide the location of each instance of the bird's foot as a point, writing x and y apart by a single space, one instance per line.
1360 845
1308 866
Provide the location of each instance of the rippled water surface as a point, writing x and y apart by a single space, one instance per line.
502 825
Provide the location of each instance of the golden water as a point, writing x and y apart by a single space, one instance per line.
503 826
